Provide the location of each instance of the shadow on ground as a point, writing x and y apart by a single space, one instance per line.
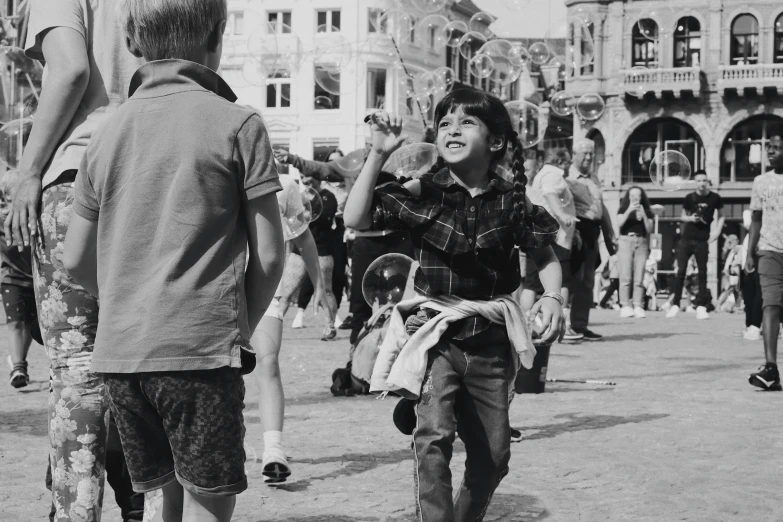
31 421
590 422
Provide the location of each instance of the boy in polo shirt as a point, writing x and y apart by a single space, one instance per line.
172 189
765 253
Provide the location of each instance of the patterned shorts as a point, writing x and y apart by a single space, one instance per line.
19 304
184 425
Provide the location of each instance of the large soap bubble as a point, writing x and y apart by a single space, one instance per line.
590 107
295 223
480 23
452 33
525 118
481 66
563 103
397 24
385 280
12 137
432 25
505 69
658 21
519 55
430 6
444 79
411 161
636 81
351 162
470 42
315 201
670 170
539 53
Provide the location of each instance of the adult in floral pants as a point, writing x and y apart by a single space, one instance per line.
88 73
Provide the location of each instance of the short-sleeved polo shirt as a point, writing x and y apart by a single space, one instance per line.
587 195
166 177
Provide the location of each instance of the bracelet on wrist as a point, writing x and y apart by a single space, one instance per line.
554 295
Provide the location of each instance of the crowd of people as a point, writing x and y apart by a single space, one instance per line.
183 240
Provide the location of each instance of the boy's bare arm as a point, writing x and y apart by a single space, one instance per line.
80 257
267 255
754 233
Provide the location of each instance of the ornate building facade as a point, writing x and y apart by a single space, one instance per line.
703 77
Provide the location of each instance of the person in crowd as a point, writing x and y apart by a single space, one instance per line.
732 258
296 273
338 251
765 255
611 273
87 75
477 269
636 224
593 218
750 287
702 220
190 257
268 338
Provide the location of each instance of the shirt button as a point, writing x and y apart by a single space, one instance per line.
472 208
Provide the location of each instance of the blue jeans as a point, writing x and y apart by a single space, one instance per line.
466 388
632 257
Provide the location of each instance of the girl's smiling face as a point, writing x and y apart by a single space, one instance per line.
463 139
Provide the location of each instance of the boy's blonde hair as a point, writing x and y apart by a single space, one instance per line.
163 29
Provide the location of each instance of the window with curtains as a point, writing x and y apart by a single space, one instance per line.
778 56
744 40
687 43
644 50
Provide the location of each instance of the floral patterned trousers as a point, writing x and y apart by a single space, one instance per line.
78 406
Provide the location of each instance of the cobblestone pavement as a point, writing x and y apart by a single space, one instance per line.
681 437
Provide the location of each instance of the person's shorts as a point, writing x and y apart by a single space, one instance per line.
185 426
770 268
274 309
531 280
19 303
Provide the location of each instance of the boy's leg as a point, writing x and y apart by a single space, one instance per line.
20 313
483 423
172 505
306 292
200 508
326 264
770 269
702 253
433 437
771 330
131 504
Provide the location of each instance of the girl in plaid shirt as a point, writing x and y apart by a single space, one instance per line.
466 223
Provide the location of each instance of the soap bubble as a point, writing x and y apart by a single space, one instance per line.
262 47
322 103
411 161
562 103
295 223
430 6
314 200
590 107
453 31
519 55
481 66
470 42
516 5
480 23
253 73
432 24
385 280
656 21
351 162
423 82
397 24
12 135
422 101
525 119
670 170
505 70
327 76
539 53
444 79
635 82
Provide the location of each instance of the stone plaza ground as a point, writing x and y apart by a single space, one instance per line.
682 436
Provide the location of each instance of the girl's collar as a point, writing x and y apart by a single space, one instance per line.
444 179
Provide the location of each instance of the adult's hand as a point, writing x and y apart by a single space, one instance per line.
553 321
21 224
611 245
282 155
750 264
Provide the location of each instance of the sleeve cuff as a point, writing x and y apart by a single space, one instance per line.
85 212
263 188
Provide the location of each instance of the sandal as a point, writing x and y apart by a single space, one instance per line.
274 464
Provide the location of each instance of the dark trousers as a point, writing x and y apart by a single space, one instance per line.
366 250
473 373
700 250
340 256
751 294
583 280
131 503
614 286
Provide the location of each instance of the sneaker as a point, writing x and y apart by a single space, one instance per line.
350 323
690 309
337 321
274 465
626 312
299 319
590 335
19 378
639 312
571 335
767 378
673 311
701 313
516 435
329 334
752 333
615 306
665 306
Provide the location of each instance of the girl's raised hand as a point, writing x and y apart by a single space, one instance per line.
386 132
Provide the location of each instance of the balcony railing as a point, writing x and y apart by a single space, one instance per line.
676 80
752 77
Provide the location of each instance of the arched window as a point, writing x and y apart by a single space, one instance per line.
654 137
645 50
779 39
687 42
744 154
745 40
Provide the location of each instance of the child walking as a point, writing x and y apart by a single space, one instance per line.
161 231
466 223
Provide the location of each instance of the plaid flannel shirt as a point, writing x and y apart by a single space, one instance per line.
464 244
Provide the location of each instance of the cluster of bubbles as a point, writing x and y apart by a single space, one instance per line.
386 278
296 222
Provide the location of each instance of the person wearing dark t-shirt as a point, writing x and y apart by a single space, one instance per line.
636 221
702 223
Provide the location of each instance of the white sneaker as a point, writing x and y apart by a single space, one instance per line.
615 306
337 321
626 312
638 312
274 465
752 333
701 313
299 319
673 311
665 306
690 309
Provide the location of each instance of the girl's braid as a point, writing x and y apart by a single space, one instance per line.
520 184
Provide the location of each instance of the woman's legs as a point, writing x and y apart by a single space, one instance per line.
327 270
625 265
294 275
78 406
640 256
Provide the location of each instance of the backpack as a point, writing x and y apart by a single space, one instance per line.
354 379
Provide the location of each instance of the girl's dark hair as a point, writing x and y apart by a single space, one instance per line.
490 110
625 202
